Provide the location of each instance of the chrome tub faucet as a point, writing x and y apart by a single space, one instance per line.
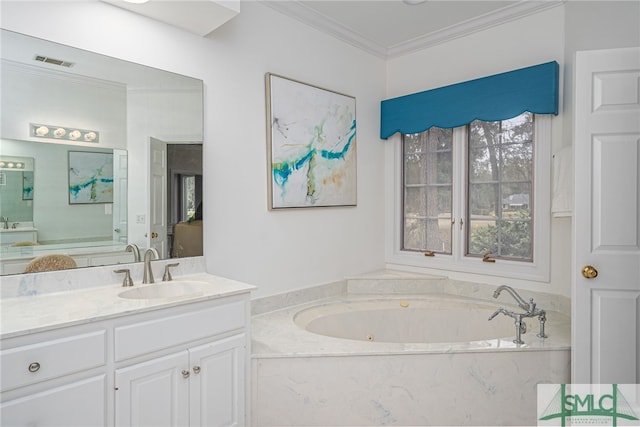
530 308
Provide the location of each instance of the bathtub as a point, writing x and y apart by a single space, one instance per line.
407 319
402 359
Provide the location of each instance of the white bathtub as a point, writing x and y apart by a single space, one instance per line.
410 319
369 360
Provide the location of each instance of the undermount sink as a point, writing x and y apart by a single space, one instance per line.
172 289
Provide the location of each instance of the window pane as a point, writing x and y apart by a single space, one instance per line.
414 169
517 162
482 166
428 172
188 196
483 237
515 239
484 200
415 204
499 188
516 200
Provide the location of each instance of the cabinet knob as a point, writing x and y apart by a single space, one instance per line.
185 374
196 369
34 367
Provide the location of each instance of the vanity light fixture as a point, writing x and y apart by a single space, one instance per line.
64 133
9 163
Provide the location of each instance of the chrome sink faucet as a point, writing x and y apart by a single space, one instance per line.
149 254
530 311
5 220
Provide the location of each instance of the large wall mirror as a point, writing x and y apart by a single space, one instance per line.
99 157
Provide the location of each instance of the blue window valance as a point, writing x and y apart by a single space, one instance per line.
498 97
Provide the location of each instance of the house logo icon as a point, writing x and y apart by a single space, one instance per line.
588 404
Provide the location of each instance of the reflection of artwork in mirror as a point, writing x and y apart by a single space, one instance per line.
27 185
90 177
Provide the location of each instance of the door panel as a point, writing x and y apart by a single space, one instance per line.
219 383
606 308
158 197
120 195
153 393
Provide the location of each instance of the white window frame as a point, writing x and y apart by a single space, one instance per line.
457 262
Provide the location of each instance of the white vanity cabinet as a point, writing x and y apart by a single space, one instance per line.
56 378
14 235
184 364
201 386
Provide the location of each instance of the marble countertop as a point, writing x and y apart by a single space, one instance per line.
24 315
17 229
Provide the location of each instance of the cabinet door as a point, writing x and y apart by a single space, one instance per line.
218 383
81 403
153 393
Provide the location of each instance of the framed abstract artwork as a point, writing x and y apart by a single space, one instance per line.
90 177
27 185
311 138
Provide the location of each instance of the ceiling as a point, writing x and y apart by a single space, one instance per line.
22 49
391 28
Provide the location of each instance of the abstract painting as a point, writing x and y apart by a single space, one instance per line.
27 185
311 138
90 177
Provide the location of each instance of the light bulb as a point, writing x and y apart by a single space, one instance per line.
42 130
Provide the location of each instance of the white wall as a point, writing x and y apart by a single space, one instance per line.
285 250
521 43
595 25
278 251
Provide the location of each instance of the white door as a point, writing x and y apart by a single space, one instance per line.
157 234
606 228
120 164
153 393
218 383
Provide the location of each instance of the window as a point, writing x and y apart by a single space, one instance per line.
475 191
499 183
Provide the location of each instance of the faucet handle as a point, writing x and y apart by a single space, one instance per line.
167 274
127 277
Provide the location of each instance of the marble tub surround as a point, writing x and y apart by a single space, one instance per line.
40 312
303 378
299 296
20 285
279 334
401 282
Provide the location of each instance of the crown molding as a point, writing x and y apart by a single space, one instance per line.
297 10
482 22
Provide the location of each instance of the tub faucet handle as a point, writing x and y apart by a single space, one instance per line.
498 311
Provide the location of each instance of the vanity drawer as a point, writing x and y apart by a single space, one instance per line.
157 334
34 363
